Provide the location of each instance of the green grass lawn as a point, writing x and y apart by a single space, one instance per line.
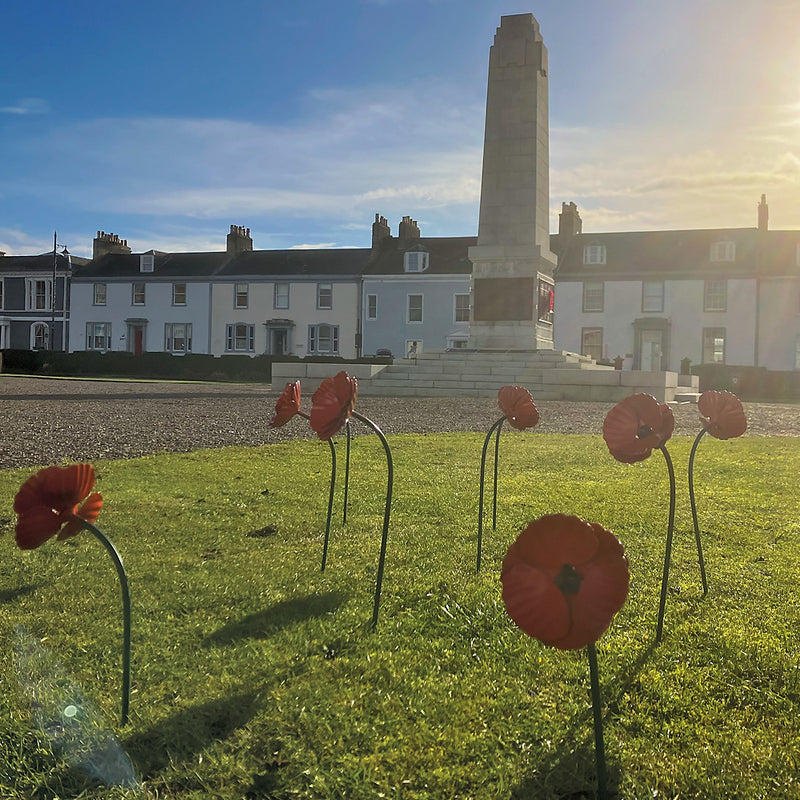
257 676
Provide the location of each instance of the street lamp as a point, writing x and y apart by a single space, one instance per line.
65 253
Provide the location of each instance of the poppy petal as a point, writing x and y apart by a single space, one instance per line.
535 603
722 413
287 406
518 407
553 540
35 526
637 425
332 404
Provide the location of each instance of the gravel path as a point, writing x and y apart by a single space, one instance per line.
49 421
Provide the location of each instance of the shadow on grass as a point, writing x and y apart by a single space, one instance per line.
261 624
180 737
8 595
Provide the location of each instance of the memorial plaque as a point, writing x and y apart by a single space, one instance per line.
503 299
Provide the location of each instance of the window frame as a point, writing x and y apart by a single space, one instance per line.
2 295
461 314
409 320
277 295
420 258
100 293
723 250
170 337
140 291
241 297
176 293
587 331
646 309
91 337
587 295
372 306
715 298
324 290
710 332
314 339
594 254
232 337
31 294
5 334
45 335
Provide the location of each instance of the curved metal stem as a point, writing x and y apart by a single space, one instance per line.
496 459
126 615
694 512
348 437
599 746
386 513
330 506
494 427
668 554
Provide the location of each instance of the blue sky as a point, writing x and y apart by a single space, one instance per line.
166 121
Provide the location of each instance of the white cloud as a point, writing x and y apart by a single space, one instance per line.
27 105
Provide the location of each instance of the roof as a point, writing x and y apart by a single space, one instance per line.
346 262
40 263
448 255
685 253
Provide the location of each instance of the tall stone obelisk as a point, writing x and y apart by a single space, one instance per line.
513 250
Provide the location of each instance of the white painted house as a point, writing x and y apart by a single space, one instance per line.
238 301
655 298
416 291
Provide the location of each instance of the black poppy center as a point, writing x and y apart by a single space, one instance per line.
569 579
644 431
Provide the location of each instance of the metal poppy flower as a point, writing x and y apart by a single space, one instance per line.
722 414
517 406
636 426
332 404
564 579
47 504
287 406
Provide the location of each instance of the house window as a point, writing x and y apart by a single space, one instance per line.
281 299
240 295
98 335
40 336
372 306
715 295
38 294
324 295
416 261
462 308
178 337
323 339
546 298
147 262
5 333
138 294
594 254
1 292
240 338
713 345
592 342
179 294
593 296
723 251
413 348
99 294
414 308
653 296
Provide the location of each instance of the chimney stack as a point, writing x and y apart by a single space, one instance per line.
239 240
569 221
408 230
380 231
763 214
108 243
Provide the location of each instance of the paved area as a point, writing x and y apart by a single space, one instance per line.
49 421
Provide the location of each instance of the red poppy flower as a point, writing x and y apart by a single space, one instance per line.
332 404
636 426
722 414
47 504
288 405
564 579
517 406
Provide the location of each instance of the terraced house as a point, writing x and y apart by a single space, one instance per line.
656 298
